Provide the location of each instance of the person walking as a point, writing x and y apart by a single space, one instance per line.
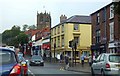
61 58
90 60
44 56
66 61
82 60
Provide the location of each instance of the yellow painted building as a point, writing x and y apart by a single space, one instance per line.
77 28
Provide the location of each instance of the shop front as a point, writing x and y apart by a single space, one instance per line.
46 49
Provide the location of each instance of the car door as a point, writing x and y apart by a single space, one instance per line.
96 64
101 63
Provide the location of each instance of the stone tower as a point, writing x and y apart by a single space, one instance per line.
43 20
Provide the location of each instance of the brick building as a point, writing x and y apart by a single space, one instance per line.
105 30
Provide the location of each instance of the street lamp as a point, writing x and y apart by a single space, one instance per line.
54 50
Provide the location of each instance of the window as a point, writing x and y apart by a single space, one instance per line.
102 57
111 11
86 53
98 58
76 40
111 31
104 15
55 31
97 36
62 28
7 57
98 18
58 41
52 42
52 32
114 58
62 41
58 29
55 43
76 26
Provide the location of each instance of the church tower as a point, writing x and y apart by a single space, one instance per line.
43 20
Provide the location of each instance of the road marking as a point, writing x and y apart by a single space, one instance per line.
62 68
31 72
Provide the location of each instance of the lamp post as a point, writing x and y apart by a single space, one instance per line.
75 47
54 51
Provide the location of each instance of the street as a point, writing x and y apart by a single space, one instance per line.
52 68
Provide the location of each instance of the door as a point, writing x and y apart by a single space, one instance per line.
101 63
96 65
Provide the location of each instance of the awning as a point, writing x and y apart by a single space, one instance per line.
46 46
111 45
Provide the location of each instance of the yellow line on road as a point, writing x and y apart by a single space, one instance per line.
62 68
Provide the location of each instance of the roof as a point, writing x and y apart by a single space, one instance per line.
32 31
103 7
81 19
7 48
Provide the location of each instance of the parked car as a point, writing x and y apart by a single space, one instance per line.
9 63
106 64
12 47
36 60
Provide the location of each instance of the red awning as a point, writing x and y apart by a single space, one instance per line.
46 46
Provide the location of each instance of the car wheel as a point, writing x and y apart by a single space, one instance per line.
26 74
42 64
102 73
30 64
92 72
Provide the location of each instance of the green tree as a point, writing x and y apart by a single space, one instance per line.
22 38
25 27
9 36
32 27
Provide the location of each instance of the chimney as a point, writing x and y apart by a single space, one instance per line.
62 18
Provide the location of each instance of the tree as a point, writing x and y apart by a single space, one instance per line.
9 36
32 27
25 27
22 38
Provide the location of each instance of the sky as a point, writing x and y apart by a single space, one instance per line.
20 12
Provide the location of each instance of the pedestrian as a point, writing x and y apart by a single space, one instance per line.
66 61
82 60
90 60
61 58
44 56
58 57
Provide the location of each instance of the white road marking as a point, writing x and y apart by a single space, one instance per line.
31 72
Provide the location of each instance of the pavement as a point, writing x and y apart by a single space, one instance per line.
77 68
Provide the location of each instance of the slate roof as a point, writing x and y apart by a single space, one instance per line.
79 19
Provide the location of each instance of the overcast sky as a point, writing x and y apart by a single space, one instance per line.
20 12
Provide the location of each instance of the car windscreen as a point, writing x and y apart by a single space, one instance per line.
37 57
114 58
7 57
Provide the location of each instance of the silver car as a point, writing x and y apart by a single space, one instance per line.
106 64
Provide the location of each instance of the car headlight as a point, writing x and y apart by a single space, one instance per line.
42 61
33 61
